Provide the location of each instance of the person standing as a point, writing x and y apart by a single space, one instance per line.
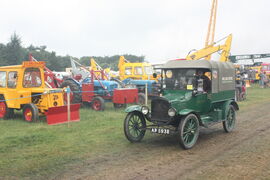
265 80
261 81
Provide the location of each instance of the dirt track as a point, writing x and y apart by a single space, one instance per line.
242 154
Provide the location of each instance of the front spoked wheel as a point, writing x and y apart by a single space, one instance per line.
134 127
188 131
229 123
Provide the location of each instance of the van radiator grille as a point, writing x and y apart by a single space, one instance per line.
159 109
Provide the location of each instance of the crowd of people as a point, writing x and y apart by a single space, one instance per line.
264 80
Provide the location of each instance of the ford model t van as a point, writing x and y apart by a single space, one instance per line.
193 94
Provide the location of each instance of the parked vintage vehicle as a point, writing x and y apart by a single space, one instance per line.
22 87
186 102
139 74
92 87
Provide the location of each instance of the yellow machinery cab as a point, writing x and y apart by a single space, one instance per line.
23 87
139 71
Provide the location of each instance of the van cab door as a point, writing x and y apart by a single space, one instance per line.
202 102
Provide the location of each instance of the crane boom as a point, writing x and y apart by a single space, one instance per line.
212 24
211 27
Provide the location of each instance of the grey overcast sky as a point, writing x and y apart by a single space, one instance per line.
158 29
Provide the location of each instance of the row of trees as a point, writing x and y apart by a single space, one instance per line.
13 53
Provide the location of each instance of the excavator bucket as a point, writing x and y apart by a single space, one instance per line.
59 115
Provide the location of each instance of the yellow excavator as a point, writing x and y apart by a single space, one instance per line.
213 48
137 71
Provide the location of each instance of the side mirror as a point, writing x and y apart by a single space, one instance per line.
154 75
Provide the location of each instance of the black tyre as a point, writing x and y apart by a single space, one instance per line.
141 99
188 131
98 104
134 126
86 104
76 95
30 113
5 112
229 123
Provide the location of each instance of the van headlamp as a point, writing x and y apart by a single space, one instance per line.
171 112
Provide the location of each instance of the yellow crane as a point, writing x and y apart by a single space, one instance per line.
211 46
212 25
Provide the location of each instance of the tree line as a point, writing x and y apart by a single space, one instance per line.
13 53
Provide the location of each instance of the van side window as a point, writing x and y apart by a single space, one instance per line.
3 78
12 79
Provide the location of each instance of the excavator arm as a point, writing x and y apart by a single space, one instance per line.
122 62
207 51
93 64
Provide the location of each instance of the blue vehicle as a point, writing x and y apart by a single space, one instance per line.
97 91
152 86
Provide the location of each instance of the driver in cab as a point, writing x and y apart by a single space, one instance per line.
203 82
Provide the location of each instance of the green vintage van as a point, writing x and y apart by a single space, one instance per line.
193 94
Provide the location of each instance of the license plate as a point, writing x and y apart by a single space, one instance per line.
160 130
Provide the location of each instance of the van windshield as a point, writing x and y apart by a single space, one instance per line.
180 79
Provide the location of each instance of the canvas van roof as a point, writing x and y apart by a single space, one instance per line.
223 73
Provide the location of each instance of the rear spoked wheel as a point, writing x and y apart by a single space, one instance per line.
188 131
134 127
229 123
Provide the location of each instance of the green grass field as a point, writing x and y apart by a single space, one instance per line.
39 150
